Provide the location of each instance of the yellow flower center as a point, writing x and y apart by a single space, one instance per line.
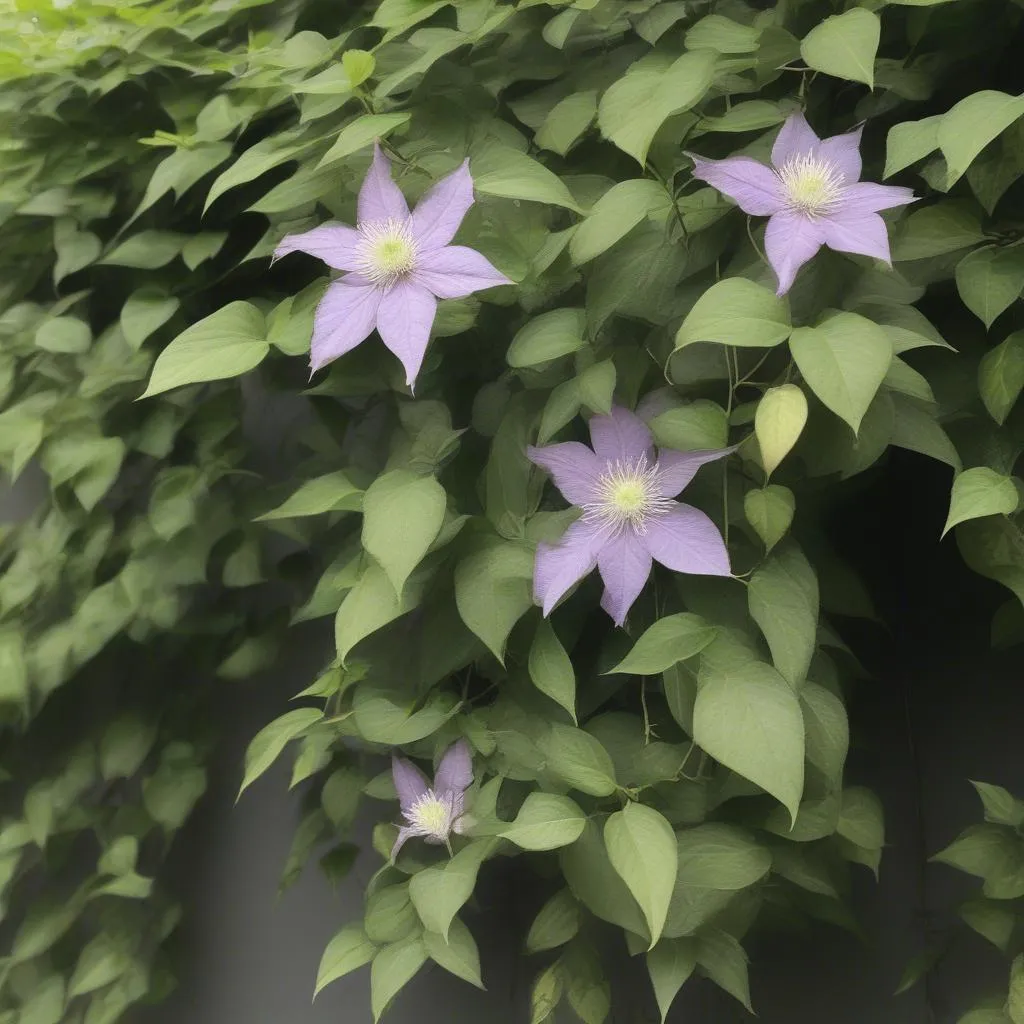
432 815
627 496
389 251
813 186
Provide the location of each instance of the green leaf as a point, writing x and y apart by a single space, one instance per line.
989 281
459 955
991 852
402 516
331 492
745 117
546 822
714 32
393 968
990 920
844 360
723 959
769 510
778 422
556 923
147 250
909 142
715 856
551 668
567 121
119 858
980 492
738 312
44 924
579 759
615 214
596 386
861 818
225 344
200 248
747 717
361 132
1001 376
75 249
145 311
100 962
671 639
255 161
827 729
45 1005
670 965
633 109
514 175
1015 999
547 337
389 915
1001 807
545 995
439 893
936 230
64 334
701 424
844 46
14 676
359 65
124 746
371 604
969 126
783 601
271 740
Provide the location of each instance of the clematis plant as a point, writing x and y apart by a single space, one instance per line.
625 489
811 195
433 812
398 265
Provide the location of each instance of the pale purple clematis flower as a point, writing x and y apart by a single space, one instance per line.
811 195
625 489
433 812
399 265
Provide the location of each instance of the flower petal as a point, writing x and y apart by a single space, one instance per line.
455 772
439 213
844 152
751 185
790 240
676 469
795 138
864 234
621 436
686 540
558 567
344 318
410 782
866 197
456 271
573 466
380 198
404 319
624 564
404 834
336 244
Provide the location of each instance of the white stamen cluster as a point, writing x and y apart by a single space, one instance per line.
389 251
627 496
812 185
431 815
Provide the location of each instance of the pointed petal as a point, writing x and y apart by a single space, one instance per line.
439 213
753 187
790 240
620 436
574 468
864 234
558 567
455 772
686 540
404 319
796 137
404 834
866 197
456 271
410 782
844 152
677 469
344 318
380 198
336 244
624 564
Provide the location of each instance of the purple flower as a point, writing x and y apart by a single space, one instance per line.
625 490
399 265
811 196
433 812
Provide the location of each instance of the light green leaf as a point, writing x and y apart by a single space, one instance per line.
459 955
146 310
844 360
227 343
146 250
861 819
698 425
596 386
43 925
255 161
200 248
747 717
723 959
638 104
715 32
844 45
989 281
379 720
514 175
826 728
567 121
100 962
45 1005
64 334
546 822
371 604
714 856
579 759
778 422
670 964
980 492
738 312
1001 376
119 858
990 920
547 337
328 493
75 249
769 510
14 677
360 133
969 126
783 601
642 849
439 893
1001 807
936 230
556 923
909 142
268 743
671 639
1015 999
551 668
614 215
393 968
749 116
359 65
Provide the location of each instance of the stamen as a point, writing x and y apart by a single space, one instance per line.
813 186
431 815
628 497
389 251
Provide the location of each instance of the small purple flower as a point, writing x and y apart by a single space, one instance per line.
811 195
399 265
433 812
625 490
